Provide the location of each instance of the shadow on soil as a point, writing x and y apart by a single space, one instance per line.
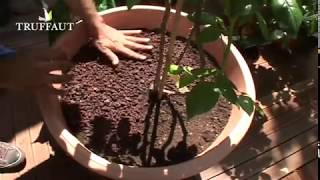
117 144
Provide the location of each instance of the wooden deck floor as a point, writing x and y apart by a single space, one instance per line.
282 145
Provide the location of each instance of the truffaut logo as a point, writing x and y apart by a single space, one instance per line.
47 16
45 24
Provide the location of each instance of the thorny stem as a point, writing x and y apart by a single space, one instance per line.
171 46
162 43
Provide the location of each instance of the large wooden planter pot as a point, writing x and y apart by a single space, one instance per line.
149 17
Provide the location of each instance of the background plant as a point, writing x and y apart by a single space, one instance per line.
260 22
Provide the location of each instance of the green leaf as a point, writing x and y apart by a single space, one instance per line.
277 34
259 110
244 7
131 3
175 69
201 99
186 79
192 75
288 14
205 18
263 26
188 75
49 16
208 34
308 6
246 103
226 88
101 5
252 42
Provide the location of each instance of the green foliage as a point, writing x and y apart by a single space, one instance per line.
262 22
263 26
201 99
243 8
208 34
131 3
246 103
288 14
102 5
208 85
205 18
188 75
226 88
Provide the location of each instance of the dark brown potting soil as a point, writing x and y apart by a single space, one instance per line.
112 112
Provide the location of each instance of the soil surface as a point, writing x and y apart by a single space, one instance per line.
112 113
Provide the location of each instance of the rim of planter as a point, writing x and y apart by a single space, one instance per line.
230 137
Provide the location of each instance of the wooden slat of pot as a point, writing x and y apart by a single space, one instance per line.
240 155
272 157
292 176
6 126
309 171
22 123
290 163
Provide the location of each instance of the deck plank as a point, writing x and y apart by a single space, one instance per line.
309 171
268 127
261 143
7 133
21 123
291 163
292 176
39 139
266 159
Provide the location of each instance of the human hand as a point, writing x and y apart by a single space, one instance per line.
110 41
33 71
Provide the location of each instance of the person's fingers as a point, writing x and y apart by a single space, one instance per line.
134 45
112 56
137 39
106 51
52 78
130 32
130 53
